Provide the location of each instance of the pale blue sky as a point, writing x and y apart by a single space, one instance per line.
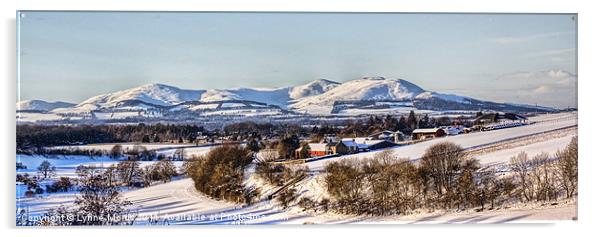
70 56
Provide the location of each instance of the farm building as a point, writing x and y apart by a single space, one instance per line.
346 147
318 149
455 130
366 143
426 133
499 118
331 138
388 135
495 121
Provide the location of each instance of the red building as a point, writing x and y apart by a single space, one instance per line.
317 149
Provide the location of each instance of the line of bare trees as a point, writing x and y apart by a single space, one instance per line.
543 178
116 152
446 178
130 173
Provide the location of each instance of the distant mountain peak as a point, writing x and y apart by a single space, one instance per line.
312 88
153 93
41 105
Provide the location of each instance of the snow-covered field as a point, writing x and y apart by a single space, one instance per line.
548 146
66 165
33 117
178 202
476 139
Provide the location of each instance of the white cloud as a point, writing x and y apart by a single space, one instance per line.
548 76
554 87
543 89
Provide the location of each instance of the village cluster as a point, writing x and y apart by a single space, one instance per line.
335 145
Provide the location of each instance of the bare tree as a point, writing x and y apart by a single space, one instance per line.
286 197
521 165
98 203
543 175
220 173
46 169
345 180
148 175
179 154
268 155
128 171
110 173
567 166
165 170
443 163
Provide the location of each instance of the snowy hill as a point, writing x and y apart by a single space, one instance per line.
445 102
154 94
278 96
40 105
274 96
365 89
447 97
312 88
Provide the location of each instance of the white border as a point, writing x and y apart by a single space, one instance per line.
589 111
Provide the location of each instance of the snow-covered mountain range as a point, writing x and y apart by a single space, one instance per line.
367 95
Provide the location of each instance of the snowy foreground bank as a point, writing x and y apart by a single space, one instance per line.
178 203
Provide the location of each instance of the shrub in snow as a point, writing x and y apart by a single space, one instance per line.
21 166
64 184
220 173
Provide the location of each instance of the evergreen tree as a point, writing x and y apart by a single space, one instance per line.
253 145
287 147
146 139
402 123
305 151
411 122
425 121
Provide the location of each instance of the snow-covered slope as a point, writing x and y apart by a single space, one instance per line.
274 96
156 94
368 95
367 88
278 96
41 105
312 88
446 97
